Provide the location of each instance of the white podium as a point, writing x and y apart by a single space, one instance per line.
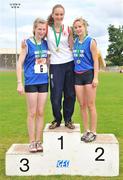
64 153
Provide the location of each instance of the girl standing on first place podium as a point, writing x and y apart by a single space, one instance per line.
34 58
86 77
60 41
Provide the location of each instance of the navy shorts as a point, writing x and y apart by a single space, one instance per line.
36 88
84 78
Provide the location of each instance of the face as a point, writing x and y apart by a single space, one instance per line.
40 30
58 15
79 28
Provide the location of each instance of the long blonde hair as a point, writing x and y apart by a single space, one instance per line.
83 21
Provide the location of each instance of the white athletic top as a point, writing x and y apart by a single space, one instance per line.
64 54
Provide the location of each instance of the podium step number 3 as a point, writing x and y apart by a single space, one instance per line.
64 153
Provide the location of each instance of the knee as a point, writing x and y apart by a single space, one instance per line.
31 115
91 105
40 113
83 106
56 102
70 97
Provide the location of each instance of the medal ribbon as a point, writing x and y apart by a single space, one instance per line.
59 37
77 49
38 47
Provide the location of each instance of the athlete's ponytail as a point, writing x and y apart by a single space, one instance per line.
50 20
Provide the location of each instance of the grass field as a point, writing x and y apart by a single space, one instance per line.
13 118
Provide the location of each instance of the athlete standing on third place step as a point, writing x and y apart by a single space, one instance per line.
34 58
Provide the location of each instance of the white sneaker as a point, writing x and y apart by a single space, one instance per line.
84 136
32 147
39 146
91 137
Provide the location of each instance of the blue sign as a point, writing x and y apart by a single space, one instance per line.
62 163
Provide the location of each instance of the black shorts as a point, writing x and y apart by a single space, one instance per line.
36 88
84 78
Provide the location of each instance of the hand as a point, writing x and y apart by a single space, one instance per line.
40 61
95 82
20 89
23 44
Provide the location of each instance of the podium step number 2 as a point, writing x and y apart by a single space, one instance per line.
64 153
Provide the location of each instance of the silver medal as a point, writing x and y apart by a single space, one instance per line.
78 61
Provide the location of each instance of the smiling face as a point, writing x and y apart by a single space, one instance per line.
58 15
79 28
40 30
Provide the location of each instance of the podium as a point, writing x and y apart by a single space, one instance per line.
64 153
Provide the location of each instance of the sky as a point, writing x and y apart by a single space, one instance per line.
99 14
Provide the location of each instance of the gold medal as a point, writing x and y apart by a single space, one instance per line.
78 61
57 39
57 49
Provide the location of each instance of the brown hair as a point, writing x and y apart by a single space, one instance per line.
36 22
50 19
83 21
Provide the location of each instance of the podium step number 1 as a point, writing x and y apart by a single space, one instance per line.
64 153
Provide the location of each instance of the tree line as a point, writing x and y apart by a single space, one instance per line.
115 48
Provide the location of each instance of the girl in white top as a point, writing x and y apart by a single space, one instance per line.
65 54
60 42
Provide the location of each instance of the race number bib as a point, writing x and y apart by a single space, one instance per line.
40 66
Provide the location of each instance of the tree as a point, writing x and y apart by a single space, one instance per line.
115 49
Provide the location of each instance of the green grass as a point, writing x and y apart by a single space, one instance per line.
13 127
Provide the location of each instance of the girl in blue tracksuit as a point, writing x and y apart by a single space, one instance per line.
33 58
86 77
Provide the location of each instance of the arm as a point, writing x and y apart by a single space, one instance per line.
48 61
21 59
102 63
94 52
70 38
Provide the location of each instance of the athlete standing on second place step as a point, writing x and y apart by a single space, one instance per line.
86 77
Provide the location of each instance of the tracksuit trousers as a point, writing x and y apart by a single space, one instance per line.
62 85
